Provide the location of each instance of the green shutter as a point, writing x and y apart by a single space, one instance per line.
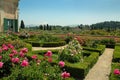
16 25
5 24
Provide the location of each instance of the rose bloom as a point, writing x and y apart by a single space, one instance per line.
34 57
65 75
61 64
21 54
4 47
24 63
1 64
10 46
15 60
24 50
0 57
11 55
14 52
116 71
49 54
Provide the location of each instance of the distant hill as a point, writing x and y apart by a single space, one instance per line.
112 25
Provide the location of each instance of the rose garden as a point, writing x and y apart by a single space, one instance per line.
18 61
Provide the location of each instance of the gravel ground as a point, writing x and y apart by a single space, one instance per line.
47 48
102 68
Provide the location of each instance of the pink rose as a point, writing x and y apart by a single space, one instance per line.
49 54
24 50
15 60
14 52
1 64
65 75
11 55
21 54
10 46
116 72
61 64
4 47
0 57
24 63
34 57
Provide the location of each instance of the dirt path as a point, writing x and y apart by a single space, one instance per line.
47 48
102 68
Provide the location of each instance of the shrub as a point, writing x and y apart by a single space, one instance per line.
72 53
79 70
116 54
110 43
47 44
99 49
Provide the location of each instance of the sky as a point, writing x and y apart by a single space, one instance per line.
68 12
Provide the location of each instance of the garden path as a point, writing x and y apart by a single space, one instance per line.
47 48
102 68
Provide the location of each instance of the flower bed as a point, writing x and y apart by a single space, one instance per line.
15 65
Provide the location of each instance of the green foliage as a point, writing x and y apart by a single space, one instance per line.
110 43
116 54
79 70
47 44
72 53
112 76
99 49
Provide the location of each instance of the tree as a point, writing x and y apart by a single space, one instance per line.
22 25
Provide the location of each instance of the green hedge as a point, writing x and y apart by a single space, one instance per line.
47 44
79 70
116 54
29 46
41 52
112 76
99 49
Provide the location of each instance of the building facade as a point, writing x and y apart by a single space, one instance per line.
9 15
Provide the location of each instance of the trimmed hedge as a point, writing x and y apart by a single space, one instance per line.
79 70
112 76
100 49
116 54
47 44
42 52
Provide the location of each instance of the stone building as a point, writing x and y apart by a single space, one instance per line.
9 15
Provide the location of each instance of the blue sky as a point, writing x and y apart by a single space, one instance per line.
68 12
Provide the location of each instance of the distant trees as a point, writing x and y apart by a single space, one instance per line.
22 25
107 25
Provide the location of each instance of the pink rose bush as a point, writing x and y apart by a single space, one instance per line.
48 54
1 64
117 72
15 60
65 75
61 64
24 63
19 60
34 57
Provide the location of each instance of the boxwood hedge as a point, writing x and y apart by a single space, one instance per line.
116 54
79 70
99 49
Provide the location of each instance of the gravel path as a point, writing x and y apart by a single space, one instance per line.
102 68
47 48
